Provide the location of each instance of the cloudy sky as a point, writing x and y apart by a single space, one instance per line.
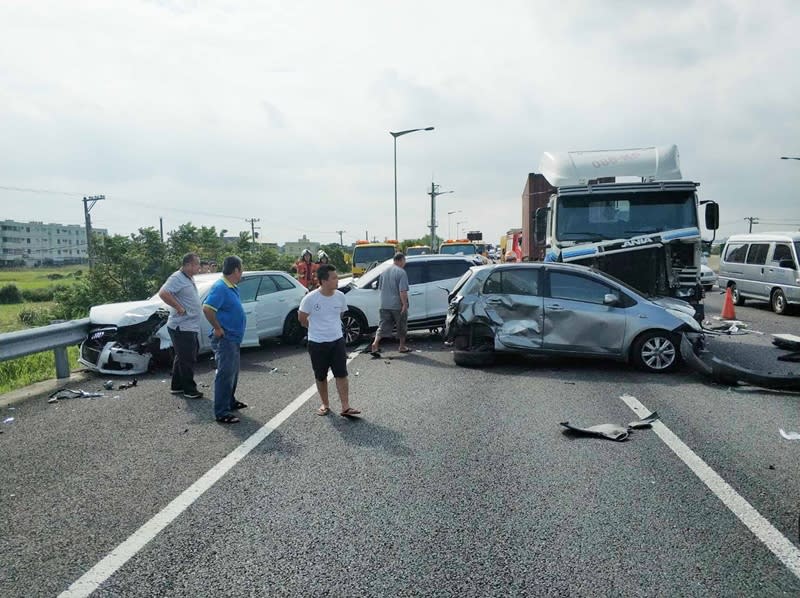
216 111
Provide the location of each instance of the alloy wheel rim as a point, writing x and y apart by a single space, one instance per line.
658 353
351 328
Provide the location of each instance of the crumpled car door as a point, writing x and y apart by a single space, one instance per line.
576 320
512 301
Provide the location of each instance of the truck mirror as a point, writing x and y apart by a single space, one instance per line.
712 216
540 225
787 263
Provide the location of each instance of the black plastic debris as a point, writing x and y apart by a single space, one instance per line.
67 393
127 385
610 431
643 423
613 431
790 342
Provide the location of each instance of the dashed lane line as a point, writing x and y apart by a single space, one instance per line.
104 569
775 541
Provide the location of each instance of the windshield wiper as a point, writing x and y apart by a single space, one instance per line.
644 231
591 235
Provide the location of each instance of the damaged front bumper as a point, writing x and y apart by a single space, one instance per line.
125 350
723 372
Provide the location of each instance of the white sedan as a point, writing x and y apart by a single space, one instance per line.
124 337
708 278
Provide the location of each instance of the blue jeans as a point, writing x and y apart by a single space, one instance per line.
226 354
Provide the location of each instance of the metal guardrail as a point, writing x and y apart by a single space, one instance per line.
55 337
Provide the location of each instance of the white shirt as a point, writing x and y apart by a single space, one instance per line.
324 315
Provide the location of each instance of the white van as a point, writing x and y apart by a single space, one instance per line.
762 266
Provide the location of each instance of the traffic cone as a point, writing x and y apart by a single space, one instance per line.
728 313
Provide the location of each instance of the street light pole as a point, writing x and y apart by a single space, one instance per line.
449 223
434 193
395 135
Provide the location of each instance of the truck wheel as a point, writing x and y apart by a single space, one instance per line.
293 333
737 298
353 326
655 351
778 302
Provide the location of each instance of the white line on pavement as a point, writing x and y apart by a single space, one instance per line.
777 543
92 579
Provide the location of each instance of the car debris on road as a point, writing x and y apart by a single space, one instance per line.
613 431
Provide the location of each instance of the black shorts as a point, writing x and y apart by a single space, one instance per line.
331 355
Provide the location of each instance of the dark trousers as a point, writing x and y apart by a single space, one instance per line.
186 346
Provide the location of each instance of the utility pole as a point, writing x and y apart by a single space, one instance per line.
88 204
434 193
753 220
253 228
161 227
340 232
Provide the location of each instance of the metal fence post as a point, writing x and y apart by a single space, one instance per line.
62 362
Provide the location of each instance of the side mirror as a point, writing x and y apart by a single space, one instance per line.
787 263
712 216
540 224
610 299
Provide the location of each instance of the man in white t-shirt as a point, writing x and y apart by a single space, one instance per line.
321 312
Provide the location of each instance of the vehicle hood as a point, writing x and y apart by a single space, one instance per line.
674 304
125 314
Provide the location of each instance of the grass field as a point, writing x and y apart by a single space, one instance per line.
18 373
9 314
37 278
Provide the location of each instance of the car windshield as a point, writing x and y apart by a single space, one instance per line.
364 255
371 276
203 286
458 248
623 215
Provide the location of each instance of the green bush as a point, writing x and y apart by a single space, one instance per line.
10 294
55 276
38 295
36 316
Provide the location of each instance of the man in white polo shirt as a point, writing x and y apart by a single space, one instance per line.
321 312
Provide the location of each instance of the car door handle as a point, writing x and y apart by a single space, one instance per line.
418 293
554 307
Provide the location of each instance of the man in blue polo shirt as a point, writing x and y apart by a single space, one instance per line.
223 309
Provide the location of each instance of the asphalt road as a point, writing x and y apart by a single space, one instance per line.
455 482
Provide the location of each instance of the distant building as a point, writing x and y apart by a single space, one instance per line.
37 243
296 248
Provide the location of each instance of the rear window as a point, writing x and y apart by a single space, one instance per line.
758 253
446 269
736 252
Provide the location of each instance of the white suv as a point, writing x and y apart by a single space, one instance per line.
430 280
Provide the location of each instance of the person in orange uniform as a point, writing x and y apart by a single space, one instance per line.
306 269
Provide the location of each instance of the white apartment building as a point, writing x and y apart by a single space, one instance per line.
37 243
295 248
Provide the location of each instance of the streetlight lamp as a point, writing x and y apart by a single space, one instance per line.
458 225
789 158
396 135
449 226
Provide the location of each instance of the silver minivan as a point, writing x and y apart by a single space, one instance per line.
764 267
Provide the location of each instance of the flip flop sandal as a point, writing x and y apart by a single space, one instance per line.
406 350
323 411
239 405
350 412
228 419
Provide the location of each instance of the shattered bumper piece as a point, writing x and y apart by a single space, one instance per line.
786 341
114 359
610 431
645 422
729 374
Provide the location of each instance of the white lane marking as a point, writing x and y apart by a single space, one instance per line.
95 576
777 543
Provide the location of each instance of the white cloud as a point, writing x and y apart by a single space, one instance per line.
282 111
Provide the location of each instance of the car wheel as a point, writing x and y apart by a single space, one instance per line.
353 326
778 302
737 298
481 354
656 351
293 332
